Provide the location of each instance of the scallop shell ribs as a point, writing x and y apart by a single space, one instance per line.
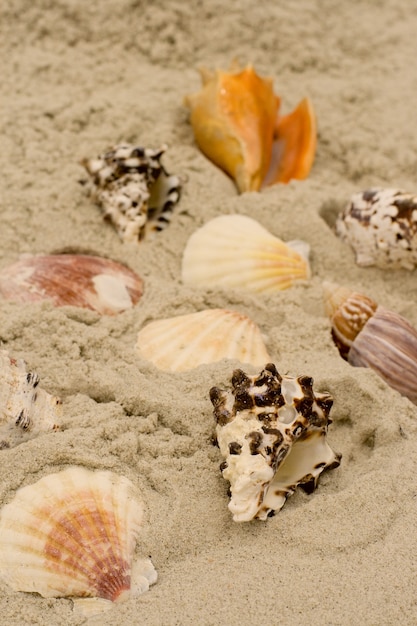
271 431
187 341
236 251
133 189
81 280
26 410
381 227
74 534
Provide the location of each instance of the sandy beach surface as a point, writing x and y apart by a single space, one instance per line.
78 77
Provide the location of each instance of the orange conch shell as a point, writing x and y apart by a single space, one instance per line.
236 125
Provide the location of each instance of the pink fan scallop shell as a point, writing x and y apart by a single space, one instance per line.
79 280
73 534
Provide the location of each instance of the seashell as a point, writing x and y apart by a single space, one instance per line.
236 123
133 189
26 410
271 431
381 227
79 280
236 251
73 534
187 341
369 335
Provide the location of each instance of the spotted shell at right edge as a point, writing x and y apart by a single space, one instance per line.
271 431
236 251
73 534
187 341
133 189
381 227
81 280
26 410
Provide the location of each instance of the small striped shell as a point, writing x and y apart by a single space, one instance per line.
81 280
187 341
369 335
236 251
73 534
26 410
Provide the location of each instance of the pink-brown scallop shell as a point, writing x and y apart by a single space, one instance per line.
81 280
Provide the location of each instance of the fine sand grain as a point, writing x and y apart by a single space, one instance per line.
80 76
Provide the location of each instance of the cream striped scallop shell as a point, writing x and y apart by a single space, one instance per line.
74 534
187 341
236 251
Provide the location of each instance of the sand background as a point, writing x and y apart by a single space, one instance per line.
78 77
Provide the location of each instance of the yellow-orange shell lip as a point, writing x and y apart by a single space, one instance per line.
294 145
236 123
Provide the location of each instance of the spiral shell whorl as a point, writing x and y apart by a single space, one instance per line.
369 335
349 311
388 345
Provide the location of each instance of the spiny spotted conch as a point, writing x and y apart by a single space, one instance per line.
81 280
271 431
237 125
184 342
236 251
369 335
133 189
74 534
381 227
26 410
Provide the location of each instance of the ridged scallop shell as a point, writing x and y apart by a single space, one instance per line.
187 341
236 123
73 534
381 227
79 280
236 251
369 335
26 410
133 189
271 431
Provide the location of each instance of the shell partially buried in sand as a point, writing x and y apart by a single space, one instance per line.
369 335
79 280
187 341
26 410
133 189
381 227
237 125
74 534
236 251
271 431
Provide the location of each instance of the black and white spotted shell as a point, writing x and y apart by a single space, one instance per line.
381 227
133 189
271 431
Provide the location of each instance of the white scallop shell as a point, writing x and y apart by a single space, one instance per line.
271 431
133 189
381 227
26 410
236 251
73 534
187 341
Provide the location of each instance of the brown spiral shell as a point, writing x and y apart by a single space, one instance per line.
369 335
